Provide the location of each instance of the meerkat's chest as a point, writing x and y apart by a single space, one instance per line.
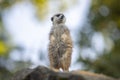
58 31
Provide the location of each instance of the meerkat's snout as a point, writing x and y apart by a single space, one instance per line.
62 16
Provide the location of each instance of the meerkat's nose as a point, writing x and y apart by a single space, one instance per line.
62 17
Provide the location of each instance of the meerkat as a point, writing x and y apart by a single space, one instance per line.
60 44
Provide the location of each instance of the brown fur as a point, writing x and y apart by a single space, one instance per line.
60 47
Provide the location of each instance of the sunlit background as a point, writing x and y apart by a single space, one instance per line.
94 27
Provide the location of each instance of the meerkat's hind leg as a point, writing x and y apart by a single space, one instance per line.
65 66
66 60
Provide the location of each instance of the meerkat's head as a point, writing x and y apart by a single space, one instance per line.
58 18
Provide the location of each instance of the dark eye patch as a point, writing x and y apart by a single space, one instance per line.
58 15
51 18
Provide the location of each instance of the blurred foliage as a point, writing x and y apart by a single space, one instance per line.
7 3
3 48
6 45
41 8
104 13
6 74
104 17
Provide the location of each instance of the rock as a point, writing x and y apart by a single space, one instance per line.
44 73
92 76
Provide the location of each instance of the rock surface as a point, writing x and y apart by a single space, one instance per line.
43 73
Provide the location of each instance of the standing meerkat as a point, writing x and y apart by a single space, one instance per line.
60 45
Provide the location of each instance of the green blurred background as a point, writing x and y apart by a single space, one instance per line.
103 18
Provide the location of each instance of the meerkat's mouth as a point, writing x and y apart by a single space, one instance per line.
60 20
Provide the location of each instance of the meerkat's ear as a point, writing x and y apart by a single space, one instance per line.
51 18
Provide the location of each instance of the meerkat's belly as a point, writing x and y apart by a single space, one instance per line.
58 34
58 42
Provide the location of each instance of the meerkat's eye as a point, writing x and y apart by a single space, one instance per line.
51 18
58 15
